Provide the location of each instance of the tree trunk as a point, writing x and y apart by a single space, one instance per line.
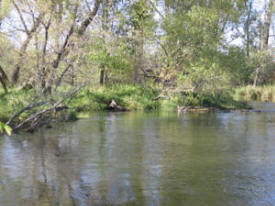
102 75
42 73
139 55
106 4
3 79
16 71
267 24
265 39
89 19
73 77
256 78
64 51
247 25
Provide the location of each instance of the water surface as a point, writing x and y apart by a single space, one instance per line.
144 159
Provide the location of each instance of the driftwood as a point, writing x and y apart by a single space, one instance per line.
115 107
194 109
161 97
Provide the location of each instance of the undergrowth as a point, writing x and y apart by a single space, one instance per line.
127 96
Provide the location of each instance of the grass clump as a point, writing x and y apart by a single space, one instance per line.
216 99
260 93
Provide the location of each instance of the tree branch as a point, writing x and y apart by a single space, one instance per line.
89 19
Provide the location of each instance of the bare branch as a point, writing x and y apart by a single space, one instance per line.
15 74
20 16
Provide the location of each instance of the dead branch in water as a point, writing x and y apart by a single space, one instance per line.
34 119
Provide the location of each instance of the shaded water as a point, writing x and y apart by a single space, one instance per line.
144 159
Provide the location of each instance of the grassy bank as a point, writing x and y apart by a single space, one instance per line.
220 99
128 97
260 93
139 98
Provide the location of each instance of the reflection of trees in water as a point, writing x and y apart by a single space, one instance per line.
132 159
122 150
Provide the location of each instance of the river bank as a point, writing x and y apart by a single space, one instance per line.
126 97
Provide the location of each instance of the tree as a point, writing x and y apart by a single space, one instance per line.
267 23
265 39
46 54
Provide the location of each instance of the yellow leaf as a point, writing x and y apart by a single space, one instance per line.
8 130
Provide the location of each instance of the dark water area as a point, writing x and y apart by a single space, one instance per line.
211 159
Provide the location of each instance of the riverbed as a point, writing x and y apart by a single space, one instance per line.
133 158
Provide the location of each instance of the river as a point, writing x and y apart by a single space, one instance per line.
132 158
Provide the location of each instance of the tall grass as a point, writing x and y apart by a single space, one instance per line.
260 93
216 99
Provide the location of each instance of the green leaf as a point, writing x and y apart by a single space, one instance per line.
8 130
1 127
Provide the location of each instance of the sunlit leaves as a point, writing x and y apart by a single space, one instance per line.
4 8
5 128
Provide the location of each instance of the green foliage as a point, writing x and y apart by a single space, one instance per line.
128 96
218 99
194 37
113 58
235 64
264 61
13 102
4 8
5 128
173 45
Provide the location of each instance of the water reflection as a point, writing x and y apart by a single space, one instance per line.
143 159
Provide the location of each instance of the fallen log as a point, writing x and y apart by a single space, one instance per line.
195 109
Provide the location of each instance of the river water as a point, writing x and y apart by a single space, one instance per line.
210 159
